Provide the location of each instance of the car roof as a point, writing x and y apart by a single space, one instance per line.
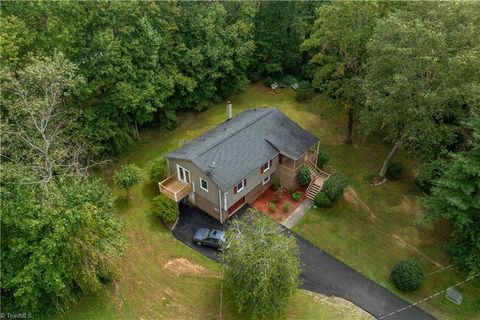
217 234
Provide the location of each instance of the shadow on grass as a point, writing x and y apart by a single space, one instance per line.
123 203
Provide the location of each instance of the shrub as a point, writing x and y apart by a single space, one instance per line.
303 175
159 169
165 208
395 170
407 275
276 183
286 206
171 119
289 80
322 201
272 206
297 195
305 91
334 186
128 176
322 158
268 81
278 195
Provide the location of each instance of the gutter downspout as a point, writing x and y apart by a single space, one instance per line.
220 205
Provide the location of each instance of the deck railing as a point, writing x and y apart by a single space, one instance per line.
175 194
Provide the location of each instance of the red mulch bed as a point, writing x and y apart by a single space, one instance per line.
262 203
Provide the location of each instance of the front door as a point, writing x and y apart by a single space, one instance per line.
183 174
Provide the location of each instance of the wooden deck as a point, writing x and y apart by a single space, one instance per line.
174 188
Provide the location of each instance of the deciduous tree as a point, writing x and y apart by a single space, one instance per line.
261 265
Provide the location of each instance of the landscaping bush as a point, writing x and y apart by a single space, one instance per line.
159 169
268 81
303 175
171 119
407 275
322 158
334 186
276 183
286 206
322 201
305 91
395 170
289 80
165 208
297 195
278 195
272 206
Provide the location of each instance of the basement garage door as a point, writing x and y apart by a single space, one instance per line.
237 205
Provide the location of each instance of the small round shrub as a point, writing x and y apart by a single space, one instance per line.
272 206
303 175
334 186
286 206
304 92
128 176
159 169
297 195
322 158
276 183
171 120
395 170
268 81
407 275
322 201
165 208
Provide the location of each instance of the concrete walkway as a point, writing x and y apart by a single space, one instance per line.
297 214
321 272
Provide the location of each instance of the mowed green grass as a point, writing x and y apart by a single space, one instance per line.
372 228
159 277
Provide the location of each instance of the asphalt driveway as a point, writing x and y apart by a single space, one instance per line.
321 272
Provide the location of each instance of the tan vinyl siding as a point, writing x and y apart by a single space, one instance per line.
253 180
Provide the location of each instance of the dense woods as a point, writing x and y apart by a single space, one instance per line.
79 79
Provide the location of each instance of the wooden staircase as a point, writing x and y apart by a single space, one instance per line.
318 179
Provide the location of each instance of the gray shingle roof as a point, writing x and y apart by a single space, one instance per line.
241 145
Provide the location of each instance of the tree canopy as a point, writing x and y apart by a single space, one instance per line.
261 265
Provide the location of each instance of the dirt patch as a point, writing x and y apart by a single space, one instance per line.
352 197
117 296
182 266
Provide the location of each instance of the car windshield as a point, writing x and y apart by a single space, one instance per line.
217 235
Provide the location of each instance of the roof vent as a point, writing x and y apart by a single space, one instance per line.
229 110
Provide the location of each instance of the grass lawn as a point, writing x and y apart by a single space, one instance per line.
160 278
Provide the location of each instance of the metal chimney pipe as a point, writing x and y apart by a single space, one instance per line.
229 110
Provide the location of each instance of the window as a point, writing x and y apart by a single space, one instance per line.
239 187
265 181
203 184
266 166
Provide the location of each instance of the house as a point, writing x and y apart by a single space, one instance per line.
233 164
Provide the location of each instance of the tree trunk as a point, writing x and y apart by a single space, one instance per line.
137 134
349 139
388 159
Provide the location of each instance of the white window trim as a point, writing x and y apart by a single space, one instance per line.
243 186
265 181
201 185
178 174
268 166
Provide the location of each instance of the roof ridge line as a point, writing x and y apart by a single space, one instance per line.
270 110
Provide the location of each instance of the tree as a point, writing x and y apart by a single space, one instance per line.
41 125
57 243
280 28
421 77
165 208
128 176
304 176
260 264
456 197
337 47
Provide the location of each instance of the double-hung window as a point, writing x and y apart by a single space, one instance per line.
204 184
266 166
239 187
